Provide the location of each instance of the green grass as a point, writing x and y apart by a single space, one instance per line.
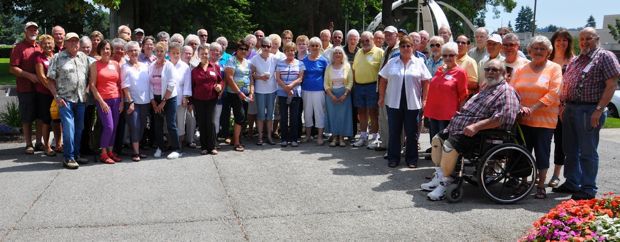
612 123
6 78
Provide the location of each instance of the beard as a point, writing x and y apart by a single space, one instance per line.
494 81
33 38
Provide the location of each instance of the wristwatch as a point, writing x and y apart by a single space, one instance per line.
599 108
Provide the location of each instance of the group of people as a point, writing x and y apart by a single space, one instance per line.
372 86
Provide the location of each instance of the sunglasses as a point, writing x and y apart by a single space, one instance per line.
488 69
435 45
449 55
314 45
243 49
266 46
462 43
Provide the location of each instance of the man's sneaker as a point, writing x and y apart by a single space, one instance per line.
81 160
294 144
283 143
373 145
360 142
70 164
173 155
439 192
431 185
157 153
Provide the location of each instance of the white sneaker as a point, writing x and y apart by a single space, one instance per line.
372 145
439 193
173 155
430 186
360 142
157 153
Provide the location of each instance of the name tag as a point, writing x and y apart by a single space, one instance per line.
47 63
543 79
112 67
587 68
449 77
369 58
211 73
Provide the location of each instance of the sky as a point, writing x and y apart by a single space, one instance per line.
561 13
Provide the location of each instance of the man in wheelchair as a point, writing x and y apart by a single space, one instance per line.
495 107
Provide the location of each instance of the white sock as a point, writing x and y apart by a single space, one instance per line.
363 135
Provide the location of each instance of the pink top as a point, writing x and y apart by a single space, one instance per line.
445 92
108 79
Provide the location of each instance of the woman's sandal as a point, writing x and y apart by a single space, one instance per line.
239 148
135 157
541 193
50 153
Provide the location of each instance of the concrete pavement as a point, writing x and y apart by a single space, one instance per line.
263 194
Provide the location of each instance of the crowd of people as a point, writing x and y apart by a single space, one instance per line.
367 89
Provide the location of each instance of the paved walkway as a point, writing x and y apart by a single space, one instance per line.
263 194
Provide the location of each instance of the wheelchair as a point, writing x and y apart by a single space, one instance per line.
501 167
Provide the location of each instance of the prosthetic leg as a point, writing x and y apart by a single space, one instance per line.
436 152
448 159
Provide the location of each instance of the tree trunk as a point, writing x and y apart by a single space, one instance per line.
386 10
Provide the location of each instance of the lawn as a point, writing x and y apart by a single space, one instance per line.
5 77
612 123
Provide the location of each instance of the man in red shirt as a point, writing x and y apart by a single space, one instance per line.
22 66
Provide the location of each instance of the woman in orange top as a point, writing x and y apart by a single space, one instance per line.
105 84
537 84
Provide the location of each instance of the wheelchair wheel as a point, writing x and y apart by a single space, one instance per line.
507 173
454 193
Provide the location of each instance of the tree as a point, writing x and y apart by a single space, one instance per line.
551 28
523 23
591 22
510 26
615 30
11 29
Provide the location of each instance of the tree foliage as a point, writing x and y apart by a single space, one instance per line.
615 30
551 28
591 22
523 23
11 29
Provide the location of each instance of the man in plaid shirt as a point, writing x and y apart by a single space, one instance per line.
589 84
495 106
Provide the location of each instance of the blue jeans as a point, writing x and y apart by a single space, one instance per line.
580 142
170 114
397 118
72 118
265 103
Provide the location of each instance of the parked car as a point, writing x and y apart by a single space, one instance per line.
614 105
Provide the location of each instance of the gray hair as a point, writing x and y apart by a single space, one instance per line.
450 46
118 42
177 38
344 55
163 34
511 36
437 39
482 30
188 48
337 32
502 67
248 38
353 32
84 40
215 45
190 38
122 27
539 39
132 44
367 34
265 41
222 41
275 39
174 45
315 40
325 31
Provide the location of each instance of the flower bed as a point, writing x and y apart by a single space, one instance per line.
586 220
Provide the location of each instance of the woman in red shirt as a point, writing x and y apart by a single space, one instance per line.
447 93
206 87
105 84
45 98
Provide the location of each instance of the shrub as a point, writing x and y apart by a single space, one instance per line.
10 115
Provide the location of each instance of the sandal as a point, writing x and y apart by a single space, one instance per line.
204 152
239 148
214 152
541 193
50 153
260 142
58 149
29 150
135 157
106 159
412 166
555 182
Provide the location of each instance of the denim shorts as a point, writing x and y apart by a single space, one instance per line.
365 95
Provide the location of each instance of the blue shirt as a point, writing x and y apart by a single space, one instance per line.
432 65
314 74
241 74
288 74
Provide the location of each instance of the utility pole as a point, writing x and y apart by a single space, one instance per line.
386 13
534 19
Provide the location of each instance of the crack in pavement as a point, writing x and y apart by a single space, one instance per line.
230 202
29 207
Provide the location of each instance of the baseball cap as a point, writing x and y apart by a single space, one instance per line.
138 30
31 24
72 35
495 38
390 29
403 31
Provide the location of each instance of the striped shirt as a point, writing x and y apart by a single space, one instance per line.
541 87
584 80
498 102
289 73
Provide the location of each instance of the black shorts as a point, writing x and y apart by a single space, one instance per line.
43 103
460 142
27 106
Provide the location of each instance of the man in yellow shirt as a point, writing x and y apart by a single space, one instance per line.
467 63
365 72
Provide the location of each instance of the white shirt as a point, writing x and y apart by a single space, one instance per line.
265 66
168 82
183 76
413 73
137 80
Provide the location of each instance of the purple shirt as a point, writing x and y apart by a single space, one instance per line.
499 102
585 76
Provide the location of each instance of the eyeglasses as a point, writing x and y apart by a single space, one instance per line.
489 69
365 41
266 46
203 35
243 49
314 45
540 49
435 45
509 45
406 46
448 55
462 43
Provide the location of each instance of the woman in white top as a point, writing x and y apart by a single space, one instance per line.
163 101
338 84
402 82
263 68
182 74
135 84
